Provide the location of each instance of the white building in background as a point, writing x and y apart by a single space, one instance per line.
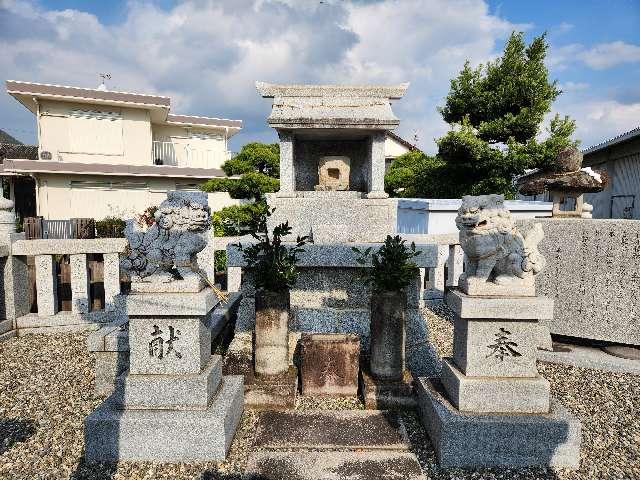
104 153
394 146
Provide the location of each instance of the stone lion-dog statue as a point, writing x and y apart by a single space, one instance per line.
501 259
166 251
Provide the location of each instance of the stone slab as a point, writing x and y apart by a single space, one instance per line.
193 285
82 327
68 246
5 326
108 366
113 435
495 348
494 395
7 335
510 308
330 430
593 274
588 357
176 392
378 465
388 395
470 440
517 288
35 320
168 345
336 254
168 304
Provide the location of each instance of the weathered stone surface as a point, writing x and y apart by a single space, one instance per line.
388 394
593 277
287 174
168 345
5 326
114 435
494 395
329 364
171 243
499 256
379 465
498 440
79 283
185 304
271 352
46 285
322 429
15 283
510 308
333 173
386 355
376 169
111 279
588 357
178 392
109 365
69 246
495 348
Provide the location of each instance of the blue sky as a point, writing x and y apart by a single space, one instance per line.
206 55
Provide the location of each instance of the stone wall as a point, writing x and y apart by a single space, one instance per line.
593 274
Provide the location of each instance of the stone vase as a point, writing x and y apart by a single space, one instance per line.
271 352
387 335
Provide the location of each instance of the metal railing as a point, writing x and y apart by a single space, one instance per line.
164 153
168 153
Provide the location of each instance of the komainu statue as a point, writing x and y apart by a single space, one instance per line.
166 251
500 258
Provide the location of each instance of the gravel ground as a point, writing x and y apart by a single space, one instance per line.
46 392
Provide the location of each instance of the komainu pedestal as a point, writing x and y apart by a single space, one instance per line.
490 406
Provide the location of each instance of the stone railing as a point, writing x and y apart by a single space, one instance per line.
45 253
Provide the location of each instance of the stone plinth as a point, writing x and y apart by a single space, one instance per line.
174 404
388 394
329 364
471 440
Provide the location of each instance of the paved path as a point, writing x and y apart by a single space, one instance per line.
332 445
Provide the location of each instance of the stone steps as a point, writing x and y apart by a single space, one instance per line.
336 445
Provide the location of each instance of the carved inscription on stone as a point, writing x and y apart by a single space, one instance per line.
503 346
159 347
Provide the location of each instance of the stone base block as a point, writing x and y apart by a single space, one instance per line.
278 392
109 366
472 440
113 435
180 392
387 395
516 288
495 395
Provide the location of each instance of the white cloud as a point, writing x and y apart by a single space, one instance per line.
207 55
598 57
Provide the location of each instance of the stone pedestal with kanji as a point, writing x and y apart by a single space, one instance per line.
174 404
490 406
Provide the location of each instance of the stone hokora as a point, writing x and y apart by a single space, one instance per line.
333 173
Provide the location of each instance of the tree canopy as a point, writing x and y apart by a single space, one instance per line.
495 112
258 166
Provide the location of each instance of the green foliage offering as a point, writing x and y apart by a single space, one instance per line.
110 227
257 164
495 111
391 267
273 264
220 261
236 220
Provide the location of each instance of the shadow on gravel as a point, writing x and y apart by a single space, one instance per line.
94 471
213 475
14 430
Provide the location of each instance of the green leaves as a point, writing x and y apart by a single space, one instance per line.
391 266
273 264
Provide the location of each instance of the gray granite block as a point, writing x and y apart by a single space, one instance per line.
377 465
109 366
168 345
498 440
495 348
7 335
420 356
494 395
69 246
511 308
179 392
181 304
79 283
113 435
46 285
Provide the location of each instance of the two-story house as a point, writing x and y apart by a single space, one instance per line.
104 153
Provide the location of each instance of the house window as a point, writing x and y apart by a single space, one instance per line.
188 186
206 136
95 132
107 185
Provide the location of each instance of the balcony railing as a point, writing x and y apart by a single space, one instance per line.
168 153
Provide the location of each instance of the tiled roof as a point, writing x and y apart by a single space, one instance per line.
12 150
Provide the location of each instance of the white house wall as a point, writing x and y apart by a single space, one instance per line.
126 138
208 148
61 197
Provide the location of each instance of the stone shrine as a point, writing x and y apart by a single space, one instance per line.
174 404
331 188
490 406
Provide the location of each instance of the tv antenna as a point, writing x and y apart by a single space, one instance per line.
104 77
